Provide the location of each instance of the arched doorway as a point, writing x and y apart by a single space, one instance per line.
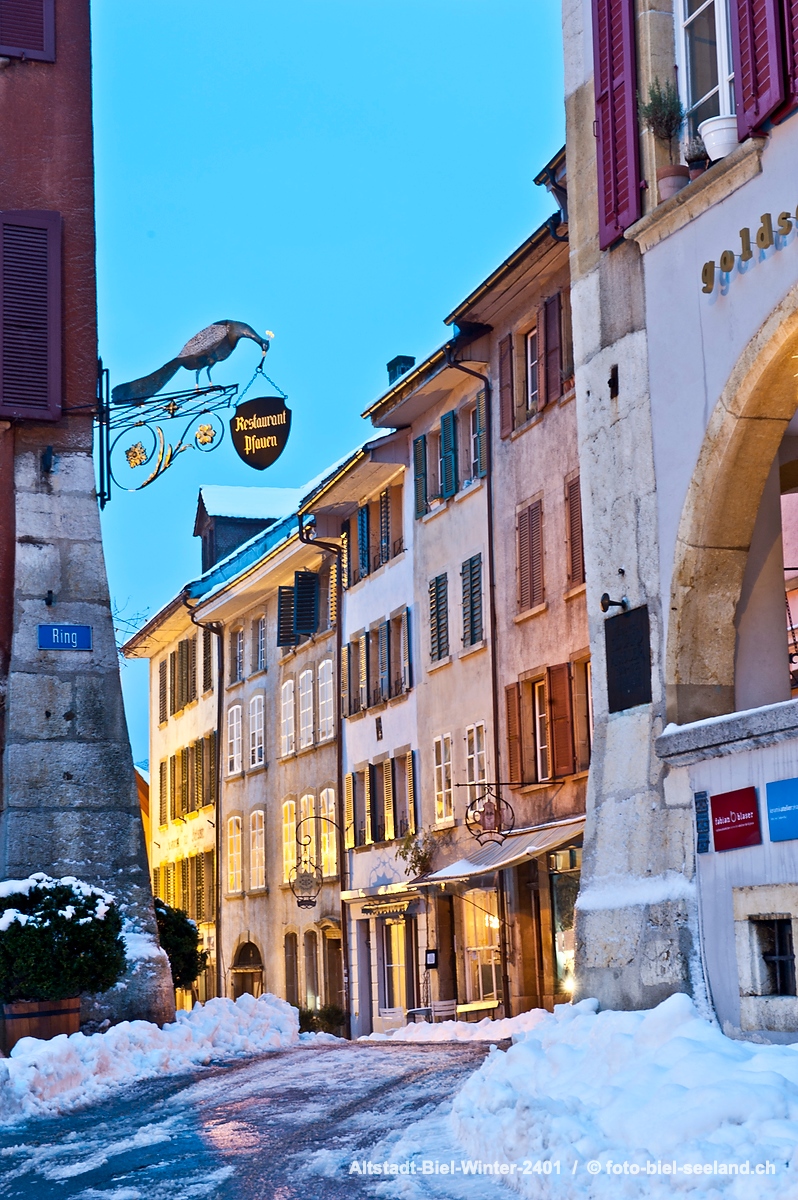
247 971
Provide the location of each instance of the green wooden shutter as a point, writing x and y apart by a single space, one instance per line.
349 811
449 472
482 435
306 603
387 800
475 578
465 577
286 599
384 659
434 642
420 475
439 617
363 543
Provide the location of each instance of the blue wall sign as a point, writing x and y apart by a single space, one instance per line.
783 810
65 637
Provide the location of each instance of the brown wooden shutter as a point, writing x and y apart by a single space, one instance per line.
163 710
791 44
506 390
345 657
163 792
368 805
537 590
349 811
617 150
524 579
30 315
173 787
576 556
410 778
553 349
758 65
540 328
515 763
561 722
209 884
173 705
27 29
207 660
201 898
191 690
199 773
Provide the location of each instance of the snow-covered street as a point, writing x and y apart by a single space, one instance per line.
285 1125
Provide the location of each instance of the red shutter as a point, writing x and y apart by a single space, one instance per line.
615 79
758 68
576 555
30 315
791 43
506 398
27 29
553 348
512 695
558 688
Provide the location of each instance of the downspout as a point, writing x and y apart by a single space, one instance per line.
494 674
336 550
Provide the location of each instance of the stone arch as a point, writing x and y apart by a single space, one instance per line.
741 441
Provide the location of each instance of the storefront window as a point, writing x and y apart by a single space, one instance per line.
395 965
564 869
483 960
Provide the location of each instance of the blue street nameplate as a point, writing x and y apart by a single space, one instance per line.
65 637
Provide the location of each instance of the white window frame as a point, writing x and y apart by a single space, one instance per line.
287 736
541 717
260 644
444 793
305 709
532 396
256 736
234 720
307 809
289 838
473 443
234 883
727 106
257 850
481 935
329 847
326 685
476 760
238 655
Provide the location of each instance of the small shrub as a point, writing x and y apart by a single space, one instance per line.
58 938
179 937
662 113
417 850
329 1019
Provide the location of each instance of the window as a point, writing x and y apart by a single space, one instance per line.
260 644
483 959
292 969
395 957
182 675
439 617
27 30
289 838
257 851
399 653
506 386
573 527
207 660
473 443
531 591
448 455
420 482
541 730
476 776
583 713
403 798
775 944
256 756
234 764
287 718
326 700
444 803
312 995
234 854
306 829
385 526
236 655
707 75
532 387
471 577
305 709
564 866
329 850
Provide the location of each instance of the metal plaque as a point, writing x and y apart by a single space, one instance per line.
702 822
259 429
735 819
65 637
628 645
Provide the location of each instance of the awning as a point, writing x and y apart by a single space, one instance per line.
517 848
386 908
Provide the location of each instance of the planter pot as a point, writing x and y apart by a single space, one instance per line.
39 1019
719 135
671 180
696 169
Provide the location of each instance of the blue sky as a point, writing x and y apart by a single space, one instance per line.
342 172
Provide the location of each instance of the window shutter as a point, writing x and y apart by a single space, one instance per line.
192 887
576 557
191 778
333 593
349 811
506 397
182 675
536 591
561 722
552 313
407 680
156 882
369 805
512 696
346 555
163 792
209 884
183 756
439 617
465 575
363 540
27 29
617 148
482 435
541 366
201 898
213 771
163 711
758 66
306 603
173 787
363 672
286 599
207 660
199 773
476 598
411 791
191 690
791 42
173 707
384 657
387 800
30 315
345 659
524 576
420 475
449 454
385 526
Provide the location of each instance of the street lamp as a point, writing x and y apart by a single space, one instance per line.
306 878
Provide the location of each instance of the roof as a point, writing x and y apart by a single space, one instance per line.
515 849
250 503
532 243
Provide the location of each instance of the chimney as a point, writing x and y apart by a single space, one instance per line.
399 366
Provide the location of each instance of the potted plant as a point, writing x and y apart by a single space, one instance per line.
719 135
58 938
663 115
696 157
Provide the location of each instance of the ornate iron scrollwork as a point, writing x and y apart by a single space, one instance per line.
489 817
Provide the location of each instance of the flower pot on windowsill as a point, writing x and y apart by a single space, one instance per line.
671 180
696 169
719 135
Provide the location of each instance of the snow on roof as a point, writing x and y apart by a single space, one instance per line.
252 503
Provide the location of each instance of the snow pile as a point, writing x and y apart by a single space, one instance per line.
640 1088
485 1030
48 1077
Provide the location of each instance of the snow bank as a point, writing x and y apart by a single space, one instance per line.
636 1088
48 1077
485 1030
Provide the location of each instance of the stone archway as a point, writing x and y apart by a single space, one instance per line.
740 444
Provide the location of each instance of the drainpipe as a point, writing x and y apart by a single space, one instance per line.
494 676
332 548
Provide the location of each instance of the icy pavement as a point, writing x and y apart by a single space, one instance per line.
284 1126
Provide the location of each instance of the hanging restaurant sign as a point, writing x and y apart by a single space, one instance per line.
259 429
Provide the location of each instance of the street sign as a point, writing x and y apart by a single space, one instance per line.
735 819
259 429
783 810
65 637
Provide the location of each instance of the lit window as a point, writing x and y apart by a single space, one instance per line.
234 740
483 959
707 73
395 945
306 831
287 717
476 776
289 838
257 851
444 804
326 700
256 731
541 730
234 854
305 709
329 850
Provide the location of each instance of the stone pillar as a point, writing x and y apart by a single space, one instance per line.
69 803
